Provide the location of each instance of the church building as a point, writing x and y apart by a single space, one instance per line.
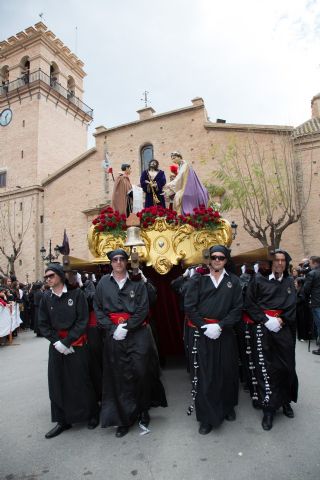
49 181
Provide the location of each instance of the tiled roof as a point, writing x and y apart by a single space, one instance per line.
310 127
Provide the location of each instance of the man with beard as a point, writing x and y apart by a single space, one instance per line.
152 182
271 304
63 318
213 304
131 383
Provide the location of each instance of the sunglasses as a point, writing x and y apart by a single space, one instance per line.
118 259
51 275
218 258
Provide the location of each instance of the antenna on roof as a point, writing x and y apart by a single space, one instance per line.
145 98
41 16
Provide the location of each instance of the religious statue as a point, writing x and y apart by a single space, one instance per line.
188 191
152 182
122 191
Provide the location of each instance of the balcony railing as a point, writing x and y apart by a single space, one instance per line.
39 75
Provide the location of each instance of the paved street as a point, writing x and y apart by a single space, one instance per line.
172 451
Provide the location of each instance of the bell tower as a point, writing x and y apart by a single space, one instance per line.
43 122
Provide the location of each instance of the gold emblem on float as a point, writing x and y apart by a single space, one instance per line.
161 245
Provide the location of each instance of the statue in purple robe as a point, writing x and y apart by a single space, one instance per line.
152 182
189 192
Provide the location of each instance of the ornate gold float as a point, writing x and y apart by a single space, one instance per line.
165 244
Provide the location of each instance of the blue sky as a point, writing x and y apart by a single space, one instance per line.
251 61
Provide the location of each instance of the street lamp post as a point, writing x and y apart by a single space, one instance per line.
234 227
51 257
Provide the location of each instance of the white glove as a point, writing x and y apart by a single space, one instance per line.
273 324
186 273
120 332
142 276
212 330
60 347
192 272
68 351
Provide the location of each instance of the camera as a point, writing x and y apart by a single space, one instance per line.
305 268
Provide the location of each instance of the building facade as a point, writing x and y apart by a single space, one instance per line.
68 184
43 125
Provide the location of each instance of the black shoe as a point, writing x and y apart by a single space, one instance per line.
55 431
316 352
93 422
231 416
267 421
122 431
205 428
287 410
145 418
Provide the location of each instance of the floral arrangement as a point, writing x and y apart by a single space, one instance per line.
202 218
110 221
149 215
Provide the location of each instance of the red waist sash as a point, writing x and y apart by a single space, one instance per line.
82 340
92 319
206 320
272 313
246 318
119 317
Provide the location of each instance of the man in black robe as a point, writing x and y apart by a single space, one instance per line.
131 373
63 318
213 305
271 304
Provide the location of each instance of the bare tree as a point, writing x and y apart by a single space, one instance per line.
270 183
13 228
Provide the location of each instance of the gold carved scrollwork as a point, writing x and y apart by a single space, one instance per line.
165 244
162 265
206 238
183 233
102 243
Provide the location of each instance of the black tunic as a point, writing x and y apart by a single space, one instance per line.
217 389
131 372
70 388
274 376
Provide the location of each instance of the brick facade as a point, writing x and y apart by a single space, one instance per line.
69 184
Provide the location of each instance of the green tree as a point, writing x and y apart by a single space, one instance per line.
270 183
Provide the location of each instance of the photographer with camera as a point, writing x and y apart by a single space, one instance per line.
311 289
304 267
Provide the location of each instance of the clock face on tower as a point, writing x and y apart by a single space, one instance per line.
5 117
